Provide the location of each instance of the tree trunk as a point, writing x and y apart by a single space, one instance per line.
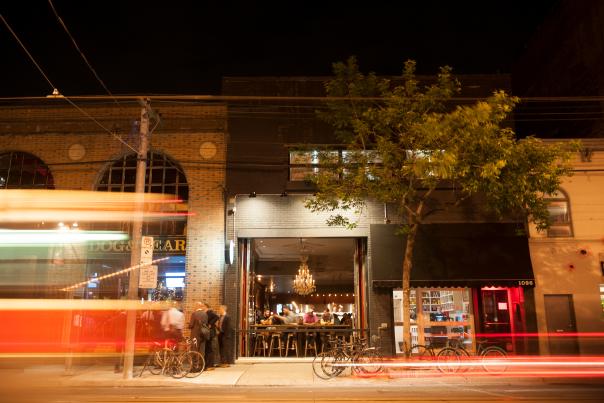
407 265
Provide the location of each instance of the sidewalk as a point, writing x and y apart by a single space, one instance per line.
259 374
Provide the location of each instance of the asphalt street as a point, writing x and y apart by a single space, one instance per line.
439 391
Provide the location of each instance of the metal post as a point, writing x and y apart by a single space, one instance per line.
137 227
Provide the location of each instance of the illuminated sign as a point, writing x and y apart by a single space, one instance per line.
160 245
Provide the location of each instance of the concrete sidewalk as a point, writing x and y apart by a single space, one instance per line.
260 374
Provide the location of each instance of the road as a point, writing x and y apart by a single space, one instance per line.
440 391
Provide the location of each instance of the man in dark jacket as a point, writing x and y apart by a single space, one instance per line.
210 350
225 337
199 320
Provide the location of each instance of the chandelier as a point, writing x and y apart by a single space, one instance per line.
271 286
304 284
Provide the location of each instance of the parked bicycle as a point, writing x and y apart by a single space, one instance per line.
173 361
493 359
357 355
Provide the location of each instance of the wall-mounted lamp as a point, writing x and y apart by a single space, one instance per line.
229 252
232 211
252 194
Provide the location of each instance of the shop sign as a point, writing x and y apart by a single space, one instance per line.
176 246
526 283
148 277
147 250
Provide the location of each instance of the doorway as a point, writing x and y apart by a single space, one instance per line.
269 267
561 324
502 317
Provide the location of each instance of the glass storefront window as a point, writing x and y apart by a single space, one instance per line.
445 317
602 296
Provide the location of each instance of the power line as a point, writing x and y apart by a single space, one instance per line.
55 91
300 99
79 50
52 87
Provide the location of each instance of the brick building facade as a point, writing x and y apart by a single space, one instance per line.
78 151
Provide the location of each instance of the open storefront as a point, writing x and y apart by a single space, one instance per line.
470 282
317 279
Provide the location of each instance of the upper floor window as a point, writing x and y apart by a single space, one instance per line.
19 170
303 164
163 175
559 212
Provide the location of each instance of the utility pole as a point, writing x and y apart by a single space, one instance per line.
137 230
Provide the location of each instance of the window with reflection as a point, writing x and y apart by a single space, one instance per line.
438 317
559 213
305 163
20 170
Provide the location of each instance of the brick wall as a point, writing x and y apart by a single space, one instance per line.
49 129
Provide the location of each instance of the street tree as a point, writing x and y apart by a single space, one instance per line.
404 141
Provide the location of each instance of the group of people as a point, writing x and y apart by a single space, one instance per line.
310 317
212 331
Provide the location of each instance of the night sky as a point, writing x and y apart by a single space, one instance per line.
187 46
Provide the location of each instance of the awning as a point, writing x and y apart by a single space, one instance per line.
453 255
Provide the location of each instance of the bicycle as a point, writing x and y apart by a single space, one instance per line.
326 364
491 356
333 362
198 363
169 360
418 352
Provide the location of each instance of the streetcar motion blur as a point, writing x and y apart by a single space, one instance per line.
61 287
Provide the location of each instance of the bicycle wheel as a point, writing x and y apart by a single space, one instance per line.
158 360
447 360
494 360
198 364
180 365
368 362
317 366
464 356
334 364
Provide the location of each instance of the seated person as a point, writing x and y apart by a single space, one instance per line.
346 320
287 318
266 318
310 317
326 318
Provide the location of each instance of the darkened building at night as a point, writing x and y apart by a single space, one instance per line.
560 74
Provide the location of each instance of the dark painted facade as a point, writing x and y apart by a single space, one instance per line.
261 135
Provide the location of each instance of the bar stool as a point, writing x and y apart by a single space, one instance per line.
260 344
279 344
312 345
293 338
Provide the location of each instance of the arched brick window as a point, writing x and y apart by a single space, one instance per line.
20 170
163 175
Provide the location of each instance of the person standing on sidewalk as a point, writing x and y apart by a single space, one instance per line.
211 349
199 326
225 337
